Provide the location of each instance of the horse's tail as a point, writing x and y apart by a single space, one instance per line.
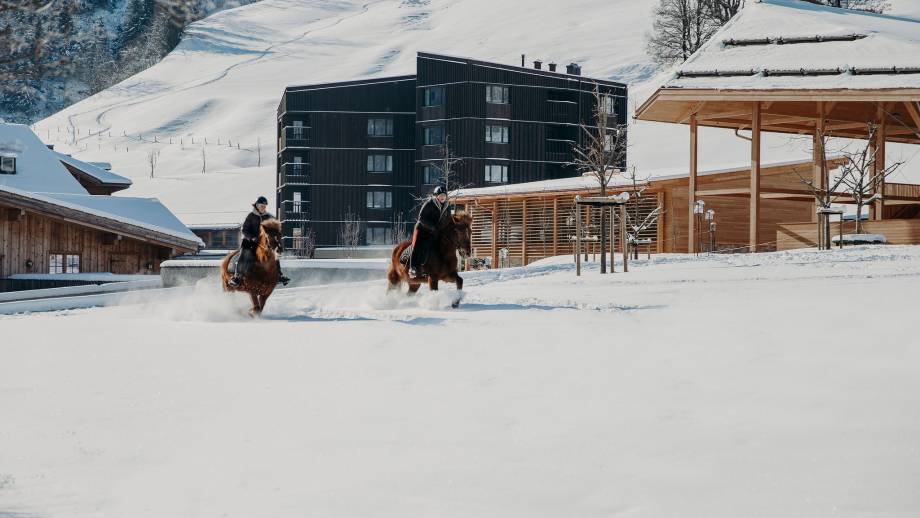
225 269
393 273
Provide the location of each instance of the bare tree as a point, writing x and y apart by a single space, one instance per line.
399 232
824 196
636 222
680 27
153 156
350 231
721 11
601 155
204 161
863 177
259 151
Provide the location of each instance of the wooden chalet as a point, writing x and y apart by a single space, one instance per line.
792 67
536 220
52 224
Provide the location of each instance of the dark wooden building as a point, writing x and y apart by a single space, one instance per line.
370 149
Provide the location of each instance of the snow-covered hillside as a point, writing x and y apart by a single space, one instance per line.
760 386
224 81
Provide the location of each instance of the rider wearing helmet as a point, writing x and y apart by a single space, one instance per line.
430 216
251 229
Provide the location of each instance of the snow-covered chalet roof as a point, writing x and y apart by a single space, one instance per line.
791 44
102 175
41 177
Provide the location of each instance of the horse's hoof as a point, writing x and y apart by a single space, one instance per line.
455 304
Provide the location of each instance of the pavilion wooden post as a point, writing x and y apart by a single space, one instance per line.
494 234
587 225
691 188
818 177
555 226
881 136
623 242
524 234
613 262
754 231
577 238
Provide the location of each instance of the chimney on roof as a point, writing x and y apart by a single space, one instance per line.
538 64
573 69
523 63
552 67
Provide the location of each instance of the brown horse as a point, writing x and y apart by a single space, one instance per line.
455 235
264 274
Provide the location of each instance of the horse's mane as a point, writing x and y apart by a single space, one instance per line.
272 225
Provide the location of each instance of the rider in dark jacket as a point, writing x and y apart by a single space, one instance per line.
426 230
251 228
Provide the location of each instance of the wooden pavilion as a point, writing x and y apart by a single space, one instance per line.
534 220
788 66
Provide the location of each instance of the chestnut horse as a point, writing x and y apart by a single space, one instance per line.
455 235
264 274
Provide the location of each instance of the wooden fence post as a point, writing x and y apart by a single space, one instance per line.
624 244
577 238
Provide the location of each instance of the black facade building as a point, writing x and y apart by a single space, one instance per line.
370 149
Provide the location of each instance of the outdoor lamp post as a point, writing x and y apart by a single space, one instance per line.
711 218
699 208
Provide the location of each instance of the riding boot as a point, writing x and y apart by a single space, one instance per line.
281 277
420 251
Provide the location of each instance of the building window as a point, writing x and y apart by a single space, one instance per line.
380 127
298 197
379 164
377 236
496 94
297 131
433 96
7 165
496 173
379 200
497 134
63 263
609 104
56 263
431 175
434 135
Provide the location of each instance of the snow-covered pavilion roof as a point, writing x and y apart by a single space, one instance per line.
589 181
791 44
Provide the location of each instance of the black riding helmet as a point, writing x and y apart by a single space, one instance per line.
261 201
438 190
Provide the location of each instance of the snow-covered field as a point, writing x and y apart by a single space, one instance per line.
767 385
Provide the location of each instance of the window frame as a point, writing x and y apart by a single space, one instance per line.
372 163
374 124
489 173
426 177
427 99
379 200
7 169
427 131
504 134
609 103
376 235
503 97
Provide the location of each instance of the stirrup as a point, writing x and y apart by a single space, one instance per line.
284 280
235 282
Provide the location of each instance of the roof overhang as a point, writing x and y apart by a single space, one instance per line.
846 111
95 221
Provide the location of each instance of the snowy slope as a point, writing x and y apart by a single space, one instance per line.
664 392
224 81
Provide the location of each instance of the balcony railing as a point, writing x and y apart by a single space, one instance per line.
295 136
295 173
295 210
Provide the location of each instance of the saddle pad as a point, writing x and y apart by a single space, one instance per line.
405 255
231 267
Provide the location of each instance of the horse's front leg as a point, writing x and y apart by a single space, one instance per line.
455 278
433 283
256 308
